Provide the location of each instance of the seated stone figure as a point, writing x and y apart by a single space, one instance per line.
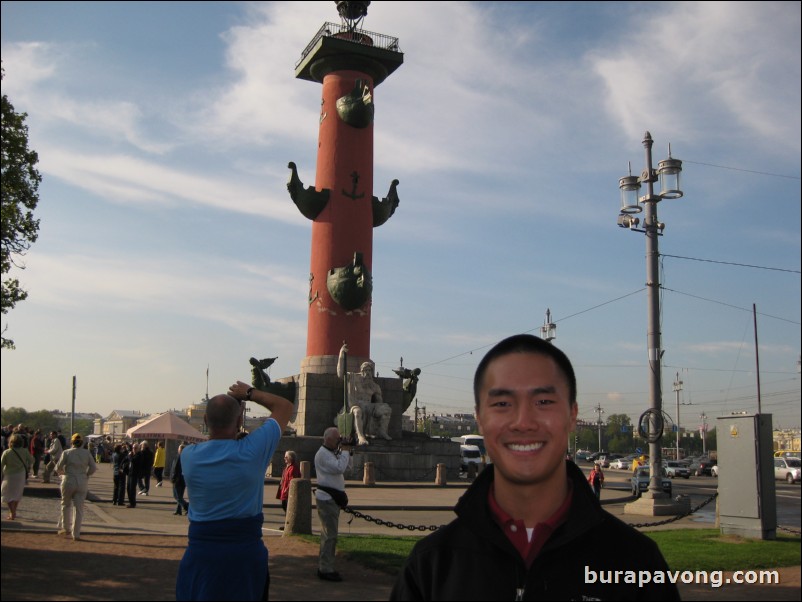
371 414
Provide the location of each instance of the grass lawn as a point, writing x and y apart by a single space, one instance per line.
684 549
708 549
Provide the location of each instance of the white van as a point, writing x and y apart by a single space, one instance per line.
476 440
470 454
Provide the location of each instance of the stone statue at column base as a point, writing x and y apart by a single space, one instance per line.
371 414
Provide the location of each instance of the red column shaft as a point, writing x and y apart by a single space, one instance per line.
345 226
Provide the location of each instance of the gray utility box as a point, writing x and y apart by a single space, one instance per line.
746 495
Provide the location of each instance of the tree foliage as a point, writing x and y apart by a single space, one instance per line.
619 433
20 195
45 420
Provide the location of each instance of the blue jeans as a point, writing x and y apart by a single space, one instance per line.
178 494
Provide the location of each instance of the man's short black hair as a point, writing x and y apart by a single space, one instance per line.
526 343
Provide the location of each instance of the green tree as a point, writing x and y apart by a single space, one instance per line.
587 438
20 186
14 416
619 433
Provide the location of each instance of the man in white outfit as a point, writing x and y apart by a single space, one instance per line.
77 464
331 462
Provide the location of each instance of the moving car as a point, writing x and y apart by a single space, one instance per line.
676 469
640 483
788 469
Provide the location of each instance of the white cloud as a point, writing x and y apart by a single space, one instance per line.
123 179
698 59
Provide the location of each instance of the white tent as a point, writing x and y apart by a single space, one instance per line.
166 426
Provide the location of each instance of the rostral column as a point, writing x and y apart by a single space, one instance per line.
350 63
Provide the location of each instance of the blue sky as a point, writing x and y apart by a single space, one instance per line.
168 242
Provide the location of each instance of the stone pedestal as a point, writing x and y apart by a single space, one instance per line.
407 457
319 398
657 505
412 457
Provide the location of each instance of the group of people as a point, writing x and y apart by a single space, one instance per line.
75 465
131 471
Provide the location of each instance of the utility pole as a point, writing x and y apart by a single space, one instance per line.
677 389
599 412
72 413
703 427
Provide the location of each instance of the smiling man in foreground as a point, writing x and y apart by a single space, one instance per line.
529 525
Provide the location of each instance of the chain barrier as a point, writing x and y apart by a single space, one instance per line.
678 517
386 523
796 532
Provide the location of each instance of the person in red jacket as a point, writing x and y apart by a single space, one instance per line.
596 480
291 471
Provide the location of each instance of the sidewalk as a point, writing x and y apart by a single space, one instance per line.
133 553
413 504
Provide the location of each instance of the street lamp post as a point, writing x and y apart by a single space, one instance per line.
548 332
667 173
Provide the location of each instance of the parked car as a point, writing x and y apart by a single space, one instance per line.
620 464
470 454
676 469
640 483
702 466
582 454
595 456
788 469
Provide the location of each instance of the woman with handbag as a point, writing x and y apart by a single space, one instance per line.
16 462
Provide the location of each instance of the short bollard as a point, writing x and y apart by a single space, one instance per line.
306 469
299 508
368 477
441 475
